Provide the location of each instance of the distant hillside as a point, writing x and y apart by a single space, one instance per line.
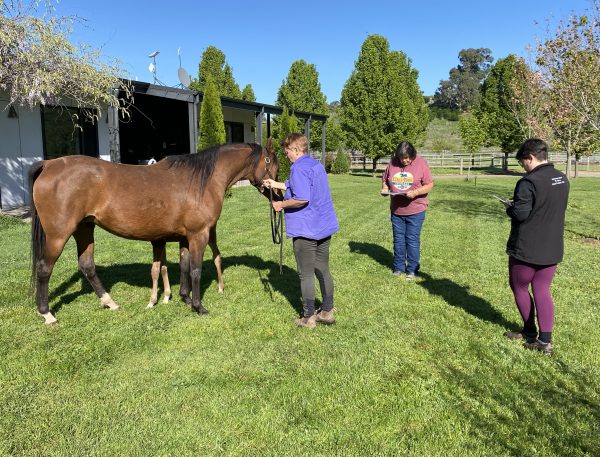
441 135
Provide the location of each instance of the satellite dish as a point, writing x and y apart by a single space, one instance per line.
184 78
152 67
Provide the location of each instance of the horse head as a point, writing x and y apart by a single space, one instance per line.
266 167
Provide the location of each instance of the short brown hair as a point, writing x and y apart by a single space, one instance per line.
297 139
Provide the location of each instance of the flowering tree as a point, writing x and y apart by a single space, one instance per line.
38 64
569 74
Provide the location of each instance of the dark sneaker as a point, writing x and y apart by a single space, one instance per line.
325 317
520 336
537 345
308 322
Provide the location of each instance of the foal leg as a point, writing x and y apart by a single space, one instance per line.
165 277
217 259
158 251
84 236
184 270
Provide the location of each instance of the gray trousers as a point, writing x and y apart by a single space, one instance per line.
312 259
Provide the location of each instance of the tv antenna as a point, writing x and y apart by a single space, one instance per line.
184 77
152 66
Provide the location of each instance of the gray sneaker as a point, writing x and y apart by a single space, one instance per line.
410 276
537 345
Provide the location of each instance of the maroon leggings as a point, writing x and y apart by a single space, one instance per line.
521 274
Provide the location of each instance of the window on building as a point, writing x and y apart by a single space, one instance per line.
63 137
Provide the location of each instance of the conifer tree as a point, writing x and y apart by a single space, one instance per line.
301 91
382 103
288 123
212 126
248 94
213 63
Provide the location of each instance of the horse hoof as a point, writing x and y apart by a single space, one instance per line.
201 311
49 319
150 306
166 299
112 306
187 300
221 290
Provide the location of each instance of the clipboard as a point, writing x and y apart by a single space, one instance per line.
501 200
392 194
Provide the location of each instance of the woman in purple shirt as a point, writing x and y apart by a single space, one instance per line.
407 179
310 221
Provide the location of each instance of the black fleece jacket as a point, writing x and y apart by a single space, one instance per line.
538 216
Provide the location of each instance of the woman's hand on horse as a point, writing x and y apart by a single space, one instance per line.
277 206
271 183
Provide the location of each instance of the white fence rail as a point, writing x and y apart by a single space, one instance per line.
465 161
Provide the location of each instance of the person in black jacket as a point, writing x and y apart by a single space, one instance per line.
535 245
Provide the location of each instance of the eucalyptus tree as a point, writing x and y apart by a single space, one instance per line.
381 102
461 89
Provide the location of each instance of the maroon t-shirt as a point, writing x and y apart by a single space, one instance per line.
404 178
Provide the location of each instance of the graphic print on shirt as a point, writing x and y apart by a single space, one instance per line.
401 181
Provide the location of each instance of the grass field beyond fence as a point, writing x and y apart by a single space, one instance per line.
411 368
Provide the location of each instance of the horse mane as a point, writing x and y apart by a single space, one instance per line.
202 163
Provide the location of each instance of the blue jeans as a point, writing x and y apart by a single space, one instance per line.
407 242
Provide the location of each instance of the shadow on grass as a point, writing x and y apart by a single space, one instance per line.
564 405
138 275
472 201
452 293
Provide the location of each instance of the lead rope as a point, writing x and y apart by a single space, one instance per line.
277 229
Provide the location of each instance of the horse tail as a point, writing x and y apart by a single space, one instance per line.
38 237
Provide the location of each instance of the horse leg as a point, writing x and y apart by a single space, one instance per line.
217 259
158 251
184 269
165 276
52 250
197 247
84 236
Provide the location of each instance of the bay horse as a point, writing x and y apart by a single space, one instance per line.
71 195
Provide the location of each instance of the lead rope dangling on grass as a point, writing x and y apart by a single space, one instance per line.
277 229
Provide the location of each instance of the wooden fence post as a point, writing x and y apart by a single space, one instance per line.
461 166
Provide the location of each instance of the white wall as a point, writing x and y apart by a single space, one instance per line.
244 117
20 146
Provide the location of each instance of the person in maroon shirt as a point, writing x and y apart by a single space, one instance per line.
407 179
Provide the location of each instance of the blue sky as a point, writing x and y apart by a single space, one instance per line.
261 39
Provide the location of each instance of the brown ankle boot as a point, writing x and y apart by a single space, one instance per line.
325 317
308 322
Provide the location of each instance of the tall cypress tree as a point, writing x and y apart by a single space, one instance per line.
288 123
301 91
382 103
213 63
212 126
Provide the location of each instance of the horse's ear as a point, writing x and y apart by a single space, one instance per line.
270 145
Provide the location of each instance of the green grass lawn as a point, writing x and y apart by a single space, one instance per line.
417 368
